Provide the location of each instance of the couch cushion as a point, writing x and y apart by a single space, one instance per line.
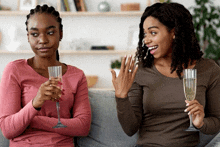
105 129
208 141
3 141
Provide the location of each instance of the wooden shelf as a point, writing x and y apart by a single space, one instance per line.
123 52
97 52
88 13
114 14
16 52
13 13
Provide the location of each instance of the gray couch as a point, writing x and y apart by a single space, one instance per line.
105 128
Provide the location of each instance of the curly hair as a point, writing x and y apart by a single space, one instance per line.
185 46
48 10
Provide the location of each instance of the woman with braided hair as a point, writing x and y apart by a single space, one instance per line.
27 96
150 97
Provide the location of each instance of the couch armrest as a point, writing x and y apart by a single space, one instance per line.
215 141
206 139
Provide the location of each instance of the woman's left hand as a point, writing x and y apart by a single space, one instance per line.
197 111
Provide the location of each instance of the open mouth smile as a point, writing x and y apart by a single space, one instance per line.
153 49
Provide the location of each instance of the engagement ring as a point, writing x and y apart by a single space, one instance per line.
129 70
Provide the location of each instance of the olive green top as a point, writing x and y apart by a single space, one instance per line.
156 103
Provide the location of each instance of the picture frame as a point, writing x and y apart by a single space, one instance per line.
26 5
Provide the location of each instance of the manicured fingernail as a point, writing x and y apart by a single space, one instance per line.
60 83
125 56
187 104
189 113
62 93
185 110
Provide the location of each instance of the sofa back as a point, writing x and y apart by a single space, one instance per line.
3 141
105 129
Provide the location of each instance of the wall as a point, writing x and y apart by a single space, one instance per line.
94 30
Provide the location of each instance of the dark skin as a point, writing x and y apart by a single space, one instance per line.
44 35
156 34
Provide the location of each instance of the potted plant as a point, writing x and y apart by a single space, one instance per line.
116 65
162 1
206 18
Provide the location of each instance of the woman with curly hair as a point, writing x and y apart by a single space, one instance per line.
150 97
27 95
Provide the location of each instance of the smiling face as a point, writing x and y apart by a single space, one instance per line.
44 35
157 38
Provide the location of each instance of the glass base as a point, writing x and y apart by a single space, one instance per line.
191 128
60 125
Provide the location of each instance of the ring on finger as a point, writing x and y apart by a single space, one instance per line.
129 70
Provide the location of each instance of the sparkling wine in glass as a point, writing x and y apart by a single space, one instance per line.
189 85
56 72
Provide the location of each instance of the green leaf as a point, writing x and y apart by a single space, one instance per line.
198 2
206 18
115 64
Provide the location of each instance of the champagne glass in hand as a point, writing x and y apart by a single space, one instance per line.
56 72
189 84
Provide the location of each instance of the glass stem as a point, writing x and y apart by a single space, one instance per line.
58 110
190 118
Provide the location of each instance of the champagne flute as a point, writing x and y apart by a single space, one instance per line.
189 84
56 72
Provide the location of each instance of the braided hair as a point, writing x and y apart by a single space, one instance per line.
48 10
185 46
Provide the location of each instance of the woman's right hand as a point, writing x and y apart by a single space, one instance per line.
126 76
47 91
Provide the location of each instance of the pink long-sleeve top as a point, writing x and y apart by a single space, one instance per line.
24 125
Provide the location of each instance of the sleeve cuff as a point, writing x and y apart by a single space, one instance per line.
121 99
203 128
